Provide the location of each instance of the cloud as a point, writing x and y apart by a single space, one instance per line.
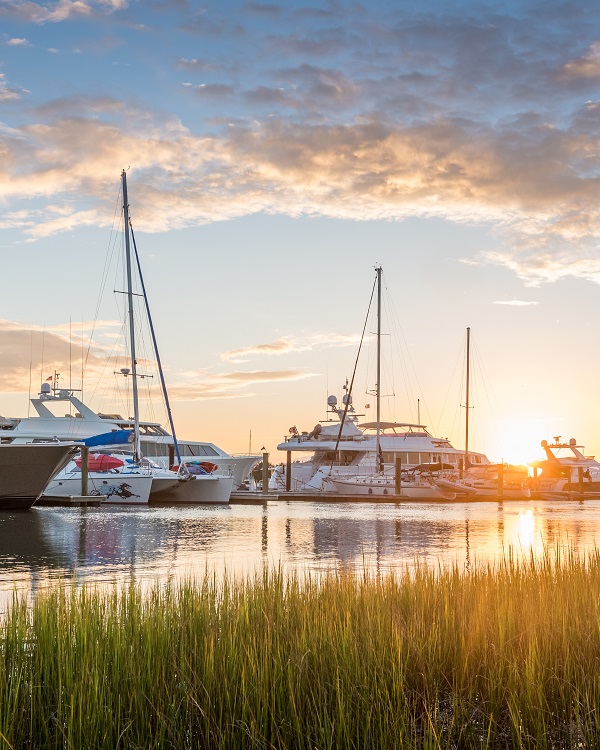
36 352
196 64
515 303
214 90
32 351
527 181
17 42
25 10
8 93
210 385
464 117
587 66
286 345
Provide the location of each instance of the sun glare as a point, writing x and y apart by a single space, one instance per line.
519 442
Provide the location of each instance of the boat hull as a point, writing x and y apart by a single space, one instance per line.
112 489
25 470
408 490
204 489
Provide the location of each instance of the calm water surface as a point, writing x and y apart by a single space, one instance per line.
116 544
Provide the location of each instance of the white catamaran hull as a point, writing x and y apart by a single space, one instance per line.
114 488
195 490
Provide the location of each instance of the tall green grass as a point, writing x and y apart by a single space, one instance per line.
492 658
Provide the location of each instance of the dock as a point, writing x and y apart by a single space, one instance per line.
246 497
68 501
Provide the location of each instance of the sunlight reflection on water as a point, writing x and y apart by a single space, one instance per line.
118 544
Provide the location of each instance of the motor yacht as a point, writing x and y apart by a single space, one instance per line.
566 471
341 447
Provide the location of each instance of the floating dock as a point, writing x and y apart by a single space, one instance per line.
69 501
247 497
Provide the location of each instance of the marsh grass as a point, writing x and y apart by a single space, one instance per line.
505 656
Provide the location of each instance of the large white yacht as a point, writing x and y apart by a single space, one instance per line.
340 446
156 442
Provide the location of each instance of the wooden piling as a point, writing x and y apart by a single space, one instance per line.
265 474
85 456
398 475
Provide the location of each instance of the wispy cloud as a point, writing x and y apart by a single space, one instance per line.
516 303
587 66
288 344
210 385
17 42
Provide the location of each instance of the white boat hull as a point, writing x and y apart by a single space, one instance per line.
384 488
116 489
208 488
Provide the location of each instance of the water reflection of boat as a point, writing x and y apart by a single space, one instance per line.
25 470
566 472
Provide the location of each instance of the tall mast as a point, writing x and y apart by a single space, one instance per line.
136 415
378 388
467 399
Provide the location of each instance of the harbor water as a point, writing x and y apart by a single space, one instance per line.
115 545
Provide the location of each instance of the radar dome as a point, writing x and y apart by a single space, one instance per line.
347 399
45 388
572 441
544 443
331 400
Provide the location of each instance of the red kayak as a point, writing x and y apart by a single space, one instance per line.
102 463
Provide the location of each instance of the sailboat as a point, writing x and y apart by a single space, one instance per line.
420 483
125 476
490 480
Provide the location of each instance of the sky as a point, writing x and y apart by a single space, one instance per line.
275 154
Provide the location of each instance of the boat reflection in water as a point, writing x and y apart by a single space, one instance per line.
110 545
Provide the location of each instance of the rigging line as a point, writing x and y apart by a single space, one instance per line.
42 379
103 277
407 369
451 383
30 368
488 393
158 362
349 392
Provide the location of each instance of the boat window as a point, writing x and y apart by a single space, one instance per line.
426 458
413 458
197 449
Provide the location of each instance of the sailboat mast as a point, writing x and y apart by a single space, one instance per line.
467 399
378 389
136 415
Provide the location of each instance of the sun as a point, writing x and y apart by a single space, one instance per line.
519 442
